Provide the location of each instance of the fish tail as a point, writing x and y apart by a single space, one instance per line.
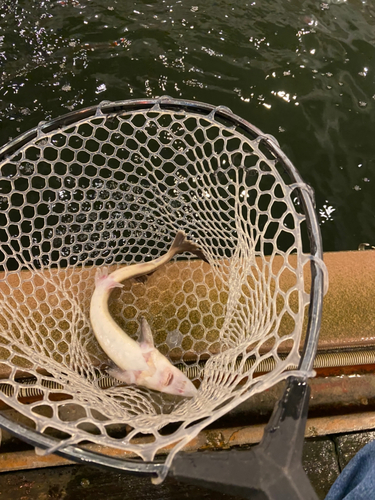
181 244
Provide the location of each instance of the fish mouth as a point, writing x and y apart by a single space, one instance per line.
189 390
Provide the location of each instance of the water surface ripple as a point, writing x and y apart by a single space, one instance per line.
303 71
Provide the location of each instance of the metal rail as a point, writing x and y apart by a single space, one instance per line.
335 359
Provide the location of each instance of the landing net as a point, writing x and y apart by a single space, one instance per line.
111 186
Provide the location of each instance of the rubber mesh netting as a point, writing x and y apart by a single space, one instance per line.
113 190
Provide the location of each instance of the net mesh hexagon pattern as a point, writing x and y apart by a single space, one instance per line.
113 190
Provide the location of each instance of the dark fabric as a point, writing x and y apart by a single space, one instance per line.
357 480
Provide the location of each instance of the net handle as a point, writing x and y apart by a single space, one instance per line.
272 470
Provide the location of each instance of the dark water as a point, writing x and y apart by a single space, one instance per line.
303 71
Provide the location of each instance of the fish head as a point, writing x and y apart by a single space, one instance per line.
177 383
169 379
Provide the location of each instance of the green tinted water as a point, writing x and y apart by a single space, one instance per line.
303 71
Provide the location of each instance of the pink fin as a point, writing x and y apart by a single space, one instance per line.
101 274
102 277
127 376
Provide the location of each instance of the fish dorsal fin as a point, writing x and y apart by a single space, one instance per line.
146 340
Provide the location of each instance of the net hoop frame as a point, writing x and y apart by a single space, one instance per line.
306 197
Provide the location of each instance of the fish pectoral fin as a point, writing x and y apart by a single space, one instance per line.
127 376
104 279
101 273
146 340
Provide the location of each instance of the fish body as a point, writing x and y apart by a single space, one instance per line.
137 362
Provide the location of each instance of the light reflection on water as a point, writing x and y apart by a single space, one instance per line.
302 71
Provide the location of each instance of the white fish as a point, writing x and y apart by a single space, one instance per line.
138 362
